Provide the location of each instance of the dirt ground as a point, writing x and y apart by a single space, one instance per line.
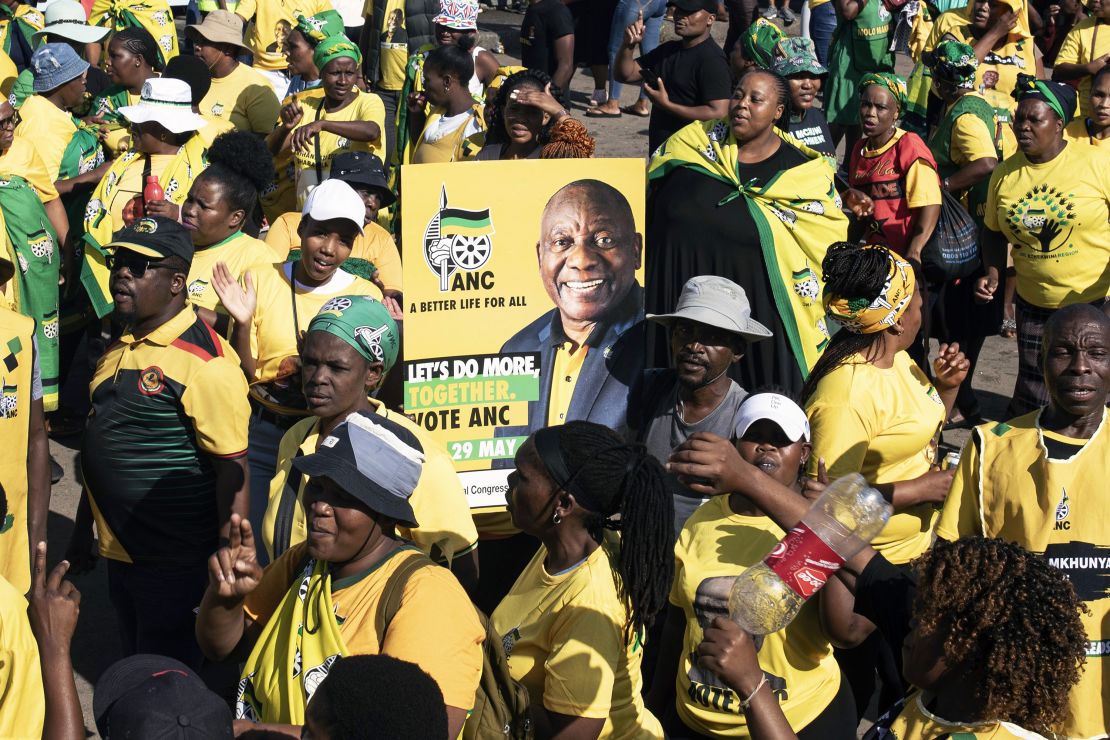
96 644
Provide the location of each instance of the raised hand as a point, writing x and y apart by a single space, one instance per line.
708 464
634 34
54 603
812 489
291 115
300 138
542 99
240 301
950 367
416 102
233 569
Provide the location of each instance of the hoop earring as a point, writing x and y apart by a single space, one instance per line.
556 519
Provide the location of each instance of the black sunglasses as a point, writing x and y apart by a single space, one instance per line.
136 264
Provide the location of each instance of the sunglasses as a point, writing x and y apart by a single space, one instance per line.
11 121
136 264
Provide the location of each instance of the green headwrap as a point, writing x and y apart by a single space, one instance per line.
318 27
1060 98
759 41
332 48
363 323
955 63
891 82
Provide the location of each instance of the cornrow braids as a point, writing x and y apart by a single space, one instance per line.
139 42
495 111
849 271
624 479
781 85
1005 613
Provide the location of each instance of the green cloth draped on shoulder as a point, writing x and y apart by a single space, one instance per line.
798 214
154 17
414 82
107 104
32 246
859 46
24 20
941 146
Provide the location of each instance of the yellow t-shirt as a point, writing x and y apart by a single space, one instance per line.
564 377
436 626
49 129
1085 42
564 639
273 334
914 722
273 20
8 74
393 46
880 423
131 183
1077 131
23 159
376 246
22 703
365 107
213 128
714 547
239 252
245 98
446 528
1007 487
971 140
1055 215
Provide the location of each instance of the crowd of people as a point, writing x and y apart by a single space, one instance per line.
203 288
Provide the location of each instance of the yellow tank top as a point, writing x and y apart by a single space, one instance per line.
15 406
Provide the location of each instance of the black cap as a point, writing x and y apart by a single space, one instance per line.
373 459
155 236
192 70
152 696
363 168
691 6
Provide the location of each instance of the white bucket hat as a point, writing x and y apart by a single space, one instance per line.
66 19
718 302
168 102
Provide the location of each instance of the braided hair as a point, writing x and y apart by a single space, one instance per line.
140 43
495 111
781 85
621 478
852 272
1006 613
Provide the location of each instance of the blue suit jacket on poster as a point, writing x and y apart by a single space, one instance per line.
615 361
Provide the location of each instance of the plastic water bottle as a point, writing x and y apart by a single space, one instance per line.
152 190
847 516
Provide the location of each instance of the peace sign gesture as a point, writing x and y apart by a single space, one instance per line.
233 569
54 604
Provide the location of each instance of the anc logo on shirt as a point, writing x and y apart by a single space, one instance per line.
151 381
458 240
197 287
218 109
9 401
1043 219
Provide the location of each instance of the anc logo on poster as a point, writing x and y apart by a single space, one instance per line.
457 239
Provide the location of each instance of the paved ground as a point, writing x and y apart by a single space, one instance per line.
96 644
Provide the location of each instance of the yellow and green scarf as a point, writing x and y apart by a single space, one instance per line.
798 214
153 15
32 246
865 316
176 180
294 653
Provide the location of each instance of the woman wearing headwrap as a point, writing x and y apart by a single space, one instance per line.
860 44
968 144
894 169
874 411
756 46
1094 127
1051 201
796 60
734 198
315 128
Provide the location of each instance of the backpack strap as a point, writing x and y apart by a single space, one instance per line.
395 588
287 504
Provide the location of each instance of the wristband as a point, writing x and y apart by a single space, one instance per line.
745 703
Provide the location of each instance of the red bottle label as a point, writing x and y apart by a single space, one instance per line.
803 561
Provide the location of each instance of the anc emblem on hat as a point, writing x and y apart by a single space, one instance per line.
336 306
151 381
146 226
371 338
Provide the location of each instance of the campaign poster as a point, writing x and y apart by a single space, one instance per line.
502 262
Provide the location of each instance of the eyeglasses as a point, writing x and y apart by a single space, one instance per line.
11 121
136 264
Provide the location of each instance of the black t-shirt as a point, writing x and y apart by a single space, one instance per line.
812 130
692 76
544 22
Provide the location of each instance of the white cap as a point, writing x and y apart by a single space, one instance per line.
773 407
335 199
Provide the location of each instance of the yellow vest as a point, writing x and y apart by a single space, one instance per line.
16 365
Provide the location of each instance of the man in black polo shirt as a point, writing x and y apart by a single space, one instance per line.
164 454
686 80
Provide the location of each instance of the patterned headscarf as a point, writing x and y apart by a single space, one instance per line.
363 323
955 63
1058 97
891 82
860 316
759 41
318 27
332 48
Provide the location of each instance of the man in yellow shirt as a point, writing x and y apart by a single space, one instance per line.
239 94
1040 481
273 20
1084 52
